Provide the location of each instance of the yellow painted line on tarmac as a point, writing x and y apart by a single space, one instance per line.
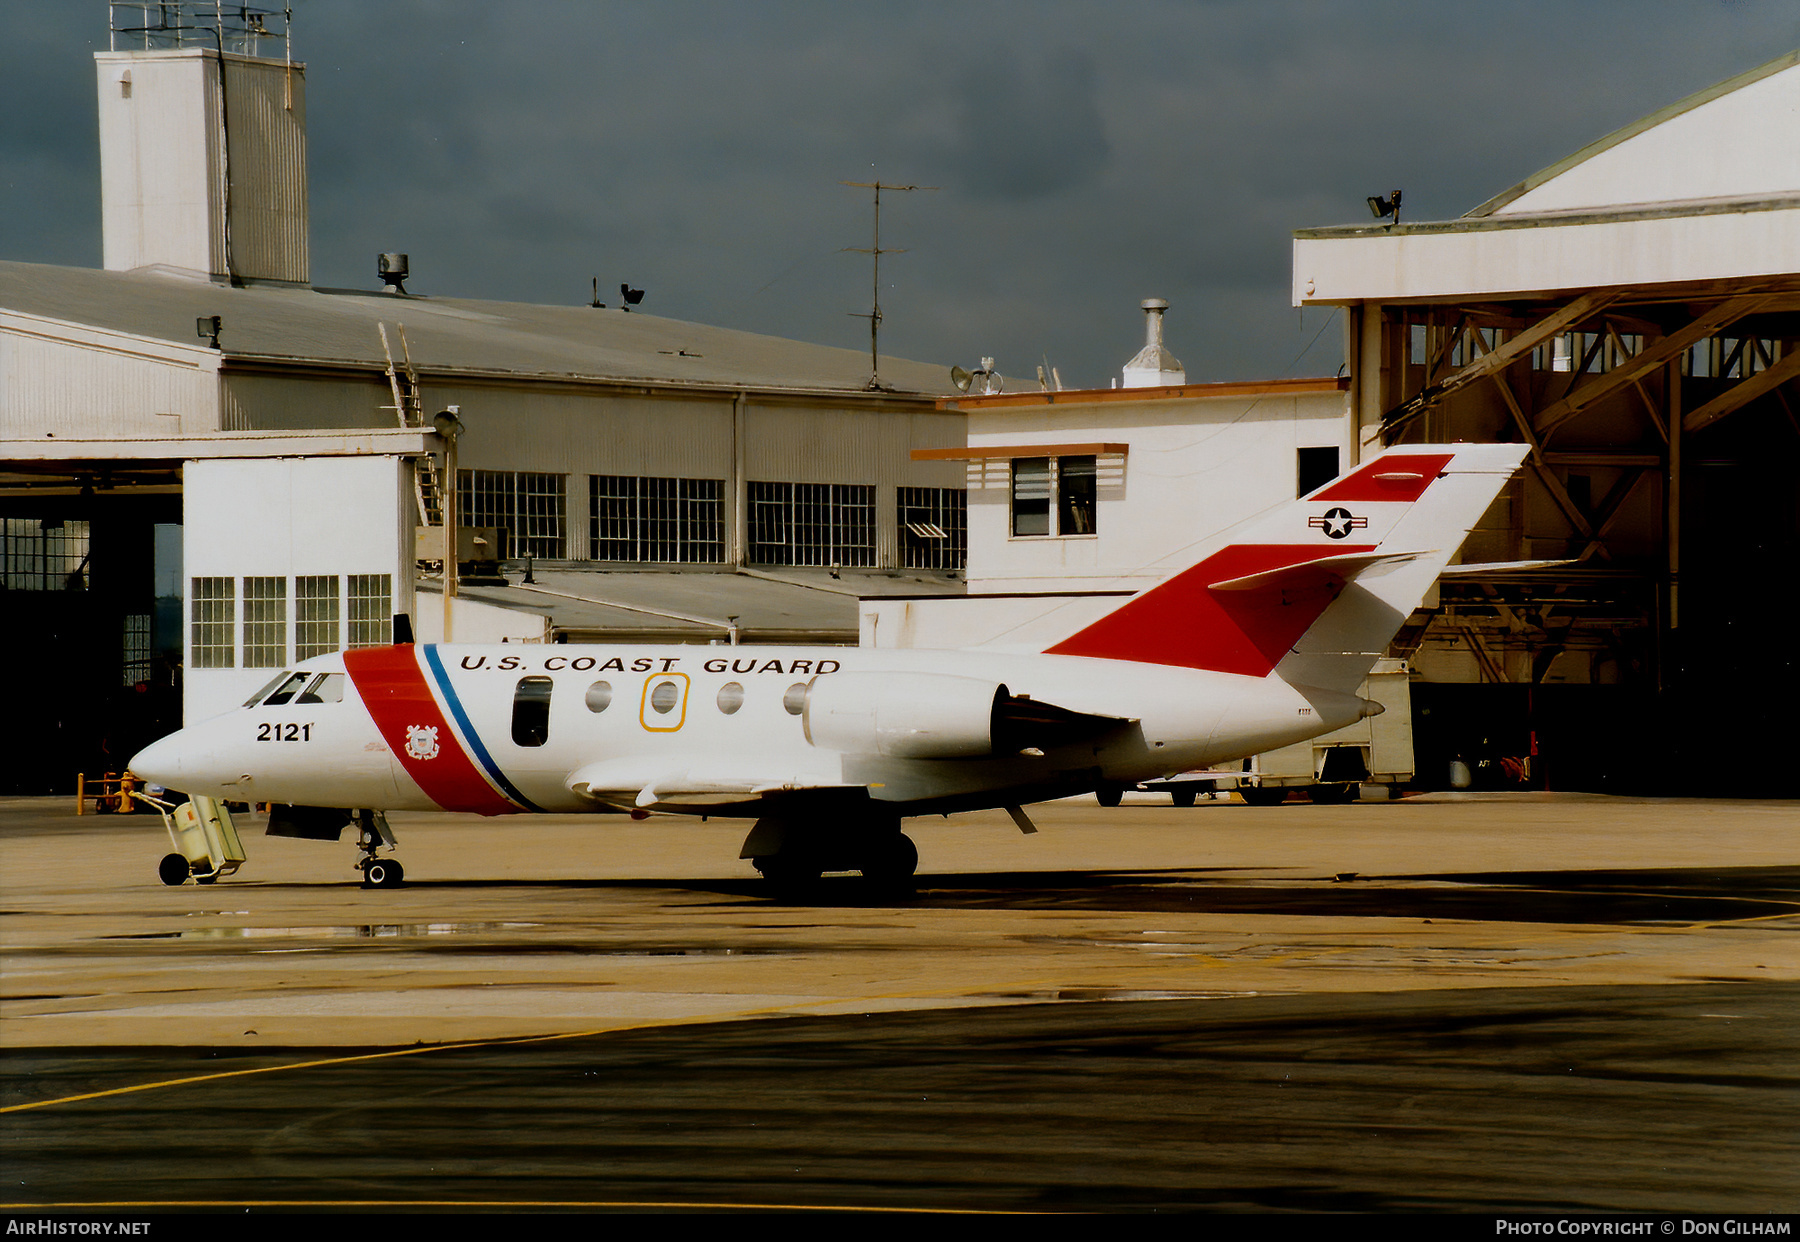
509 1041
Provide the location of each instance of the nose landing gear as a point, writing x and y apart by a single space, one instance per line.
372 832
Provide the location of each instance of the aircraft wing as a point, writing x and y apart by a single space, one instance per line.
643 782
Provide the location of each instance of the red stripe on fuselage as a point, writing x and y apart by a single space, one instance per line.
1180 622
394 689
1399 477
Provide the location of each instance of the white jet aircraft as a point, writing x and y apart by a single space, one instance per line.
1259 642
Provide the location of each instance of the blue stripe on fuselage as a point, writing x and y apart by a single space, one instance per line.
468 730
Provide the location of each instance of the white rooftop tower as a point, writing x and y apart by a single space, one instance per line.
203 143
1153 366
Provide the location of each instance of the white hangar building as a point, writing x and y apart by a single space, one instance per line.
1633 314
210 469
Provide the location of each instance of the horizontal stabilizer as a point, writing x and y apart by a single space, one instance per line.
1484 569
1315 572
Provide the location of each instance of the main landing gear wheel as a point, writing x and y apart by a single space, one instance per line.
1183 797
1109 795
173 870
383 873
789 876
891 861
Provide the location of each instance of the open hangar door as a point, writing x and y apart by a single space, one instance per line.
90 610
1664 486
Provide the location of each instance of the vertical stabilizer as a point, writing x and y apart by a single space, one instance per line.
1315 588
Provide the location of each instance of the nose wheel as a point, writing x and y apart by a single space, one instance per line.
382 873
373 833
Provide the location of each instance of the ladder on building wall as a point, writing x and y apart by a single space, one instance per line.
409 409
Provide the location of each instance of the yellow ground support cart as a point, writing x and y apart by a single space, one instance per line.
205 840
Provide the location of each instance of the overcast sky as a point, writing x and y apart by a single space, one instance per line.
1087 155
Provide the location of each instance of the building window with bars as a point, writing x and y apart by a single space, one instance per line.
674 521
50 554
214 617
934 526
265 622
139 657
1055 495
527 508
812 524
371 610
315 616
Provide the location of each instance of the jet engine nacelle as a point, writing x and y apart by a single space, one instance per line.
903 715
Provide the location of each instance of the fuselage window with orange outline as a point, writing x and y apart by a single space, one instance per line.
663 705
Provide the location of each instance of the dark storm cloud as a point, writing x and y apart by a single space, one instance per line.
1088 156
1028 127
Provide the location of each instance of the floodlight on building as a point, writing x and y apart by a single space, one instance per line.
630 297
1381 208
206 327
392 268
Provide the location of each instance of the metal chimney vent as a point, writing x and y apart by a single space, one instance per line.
393 272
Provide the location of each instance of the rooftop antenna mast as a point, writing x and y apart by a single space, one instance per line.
875 251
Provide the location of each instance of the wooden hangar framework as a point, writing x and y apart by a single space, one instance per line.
1615 390
1632 314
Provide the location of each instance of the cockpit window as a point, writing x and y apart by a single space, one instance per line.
326 688
289 687
256 698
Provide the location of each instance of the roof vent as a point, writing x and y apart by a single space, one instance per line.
1153 366
393 272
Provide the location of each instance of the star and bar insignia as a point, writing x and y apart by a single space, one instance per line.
1337 523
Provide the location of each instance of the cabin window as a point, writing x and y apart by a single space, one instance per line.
531 711
795 698
599 696
731 697
664 697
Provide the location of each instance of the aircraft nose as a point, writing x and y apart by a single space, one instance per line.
162 762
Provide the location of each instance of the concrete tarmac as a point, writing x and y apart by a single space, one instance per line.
1490 1001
